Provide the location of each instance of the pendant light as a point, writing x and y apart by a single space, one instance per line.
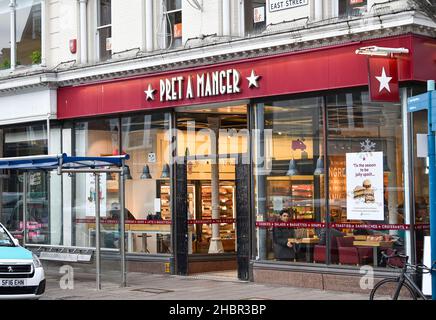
165 171
127 173
319 170
292 171
146 173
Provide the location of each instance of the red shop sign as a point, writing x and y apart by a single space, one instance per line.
310 70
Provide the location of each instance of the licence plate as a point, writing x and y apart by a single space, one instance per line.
13 283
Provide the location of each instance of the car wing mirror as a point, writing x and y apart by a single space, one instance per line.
16 242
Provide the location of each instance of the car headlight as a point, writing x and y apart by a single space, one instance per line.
36 261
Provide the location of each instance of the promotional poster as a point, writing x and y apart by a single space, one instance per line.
364 173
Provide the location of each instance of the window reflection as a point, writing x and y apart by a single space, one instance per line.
28 32
16 142
289 195
146 139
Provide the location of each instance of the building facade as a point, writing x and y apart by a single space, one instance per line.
255 142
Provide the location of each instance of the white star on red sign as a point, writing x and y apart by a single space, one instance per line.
150 93
384 81
252 80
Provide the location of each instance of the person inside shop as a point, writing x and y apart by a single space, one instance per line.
114 212
283 248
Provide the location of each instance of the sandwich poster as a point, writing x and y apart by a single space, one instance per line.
364 173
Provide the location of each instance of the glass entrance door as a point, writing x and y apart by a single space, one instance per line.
212 140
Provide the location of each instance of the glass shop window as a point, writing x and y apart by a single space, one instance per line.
366 192
289 180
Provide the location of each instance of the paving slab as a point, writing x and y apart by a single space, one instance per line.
143 286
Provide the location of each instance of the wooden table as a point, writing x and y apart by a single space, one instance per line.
375 245
304 240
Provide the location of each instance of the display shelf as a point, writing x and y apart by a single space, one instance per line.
166 200
287 193
227 210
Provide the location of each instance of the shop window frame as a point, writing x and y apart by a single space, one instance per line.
325 127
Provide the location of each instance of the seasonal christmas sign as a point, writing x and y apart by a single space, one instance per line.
364 175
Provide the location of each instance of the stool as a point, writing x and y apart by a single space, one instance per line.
144 237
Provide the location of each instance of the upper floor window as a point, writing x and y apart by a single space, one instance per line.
28 33
255 16
352 7
104 30
172 13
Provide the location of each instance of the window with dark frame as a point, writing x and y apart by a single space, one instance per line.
104 30
172 12
255 16
352 7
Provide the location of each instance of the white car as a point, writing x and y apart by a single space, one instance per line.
21 272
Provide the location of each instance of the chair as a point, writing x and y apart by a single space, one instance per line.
319 251
349 254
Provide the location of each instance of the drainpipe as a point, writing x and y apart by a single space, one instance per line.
149 25
83 32
226 18
12 5
43 33
318 10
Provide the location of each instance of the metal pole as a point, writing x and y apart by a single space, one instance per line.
122 228
24 208
97 229
408 180
432 187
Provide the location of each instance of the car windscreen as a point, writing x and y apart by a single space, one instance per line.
5 240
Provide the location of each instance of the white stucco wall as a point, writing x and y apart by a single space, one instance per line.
128 28
62 26
195 22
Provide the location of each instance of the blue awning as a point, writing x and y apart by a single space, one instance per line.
53 162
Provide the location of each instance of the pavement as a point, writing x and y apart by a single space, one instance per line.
146 286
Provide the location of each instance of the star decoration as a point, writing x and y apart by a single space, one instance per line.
252 79
150 93
384 81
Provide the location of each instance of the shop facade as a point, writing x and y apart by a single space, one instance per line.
227 161
26 130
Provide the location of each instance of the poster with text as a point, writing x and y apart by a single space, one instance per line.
364 174
91 195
